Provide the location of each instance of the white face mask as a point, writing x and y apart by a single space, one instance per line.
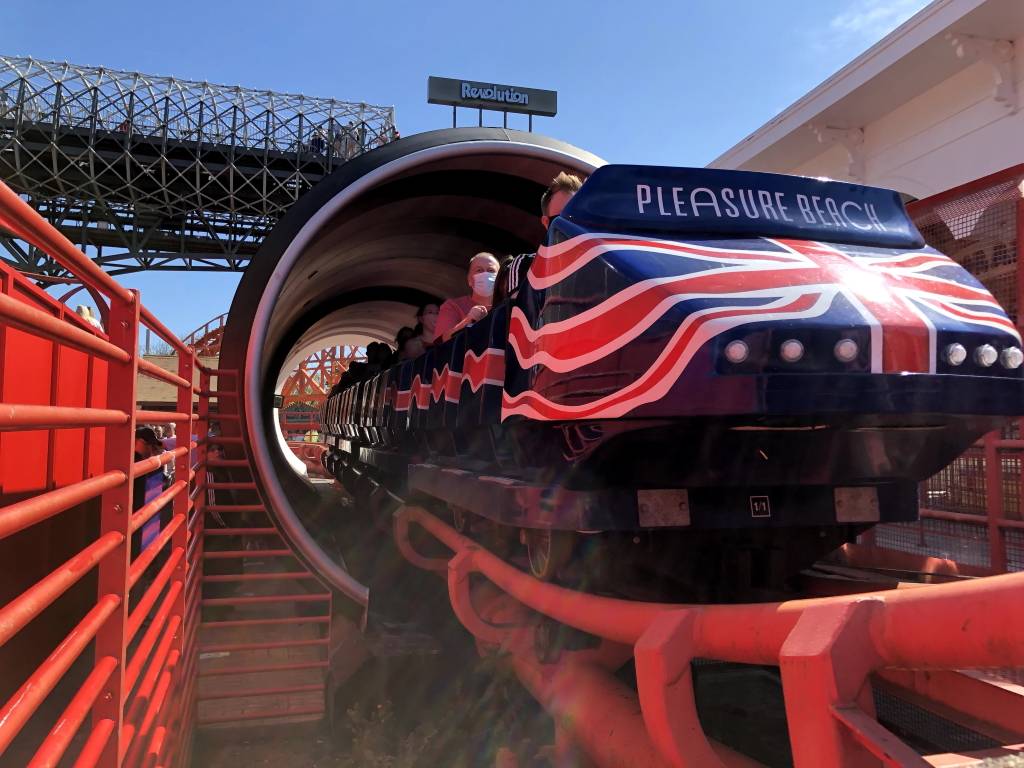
483 283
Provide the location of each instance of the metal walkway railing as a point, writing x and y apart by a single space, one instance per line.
109 639
68 419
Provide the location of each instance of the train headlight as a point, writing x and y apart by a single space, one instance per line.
955 354
737 351
1011 358
791 350
986 355
846 350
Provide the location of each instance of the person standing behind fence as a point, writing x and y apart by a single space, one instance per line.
146 486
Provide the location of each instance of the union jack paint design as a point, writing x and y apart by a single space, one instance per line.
904 298
487 368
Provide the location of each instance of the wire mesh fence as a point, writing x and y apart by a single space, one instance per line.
978 225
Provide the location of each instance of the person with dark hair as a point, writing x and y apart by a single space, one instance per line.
409 343
426 323
377 356
148 486
557 195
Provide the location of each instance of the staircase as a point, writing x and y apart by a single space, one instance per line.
265 619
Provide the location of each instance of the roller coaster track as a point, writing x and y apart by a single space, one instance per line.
830 652
152 172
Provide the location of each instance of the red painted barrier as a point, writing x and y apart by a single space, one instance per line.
827 650
67 421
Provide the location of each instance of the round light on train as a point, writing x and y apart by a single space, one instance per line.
955 354
737 351
846 350
1011 358
986 355
791 350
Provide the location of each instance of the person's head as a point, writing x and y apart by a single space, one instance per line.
146 442
404 334
170 430
409 342
426 316
559 192
378 353
483 270
412 348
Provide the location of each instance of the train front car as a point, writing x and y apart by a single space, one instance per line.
719 375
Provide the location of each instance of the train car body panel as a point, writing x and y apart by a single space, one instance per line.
707 350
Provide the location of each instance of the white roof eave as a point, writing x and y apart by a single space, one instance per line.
926 25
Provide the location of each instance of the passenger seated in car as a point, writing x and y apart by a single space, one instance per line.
426 323
354 373
409 343
456 314
378 357
555 198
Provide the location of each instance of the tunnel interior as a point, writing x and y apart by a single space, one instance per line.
355 257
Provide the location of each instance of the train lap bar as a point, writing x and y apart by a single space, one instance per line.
700 349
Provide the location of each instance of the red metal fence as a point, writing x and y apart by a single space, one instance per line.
96 654
971 511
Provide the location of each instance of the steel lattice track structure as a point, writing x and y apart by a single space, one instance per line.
151 172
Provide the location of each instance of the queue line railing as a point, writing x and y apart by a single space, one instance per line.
118 687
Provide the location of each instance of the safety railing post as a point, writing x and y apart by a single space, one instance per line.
115 511
994 503
182 504
203 434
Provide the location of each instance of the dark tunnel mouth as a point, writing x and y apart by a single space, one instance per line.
272 334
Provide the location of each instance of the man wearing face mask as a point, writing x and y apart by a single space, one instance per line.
458 313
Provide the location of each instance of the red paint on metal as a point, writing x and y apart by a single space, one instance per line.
22 514
53 748
826 648
967 698
153 591
33 601
72 402
21 706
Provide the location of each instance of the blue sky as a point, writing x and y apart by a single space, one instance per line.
672 82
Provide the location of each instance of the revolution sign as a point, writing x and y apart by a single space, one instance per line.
502 98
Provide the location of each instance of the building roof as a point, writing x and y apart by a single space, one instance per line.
916 56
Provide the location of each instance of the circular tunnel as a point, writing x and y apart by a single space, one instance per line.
355 256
